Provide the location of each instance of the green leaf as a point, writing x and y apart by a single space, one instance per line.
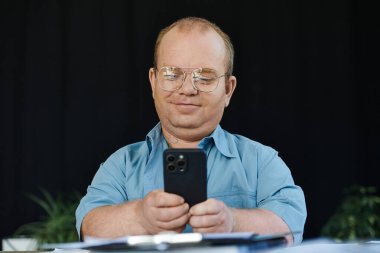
357 217
58 223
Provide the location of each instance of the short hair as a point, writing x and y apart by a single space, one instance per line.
190 23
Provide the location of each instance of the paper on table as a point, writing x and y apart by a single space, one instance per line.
159 241
166 240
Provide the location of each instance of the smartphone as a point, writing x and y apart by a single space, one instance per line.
185 174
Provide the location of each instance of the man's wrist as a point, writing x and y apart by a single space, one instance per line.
138 213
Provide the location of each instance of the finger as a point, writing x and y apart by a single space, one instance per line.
208 230
160 198
170 213
174 225
210 206
168 199
206 221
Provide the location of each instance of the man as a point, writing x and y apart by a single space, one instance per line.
249 187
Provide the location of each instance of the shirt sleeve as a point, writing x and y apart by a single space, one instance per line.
107 187
277 192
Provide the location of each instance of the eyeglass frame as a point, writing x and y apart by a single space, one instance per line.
185 75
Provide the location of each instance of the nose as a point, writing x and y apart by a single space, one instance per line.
187 85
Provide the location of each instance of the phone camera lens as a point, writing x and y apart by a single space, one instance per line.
171 167
181 163
170 158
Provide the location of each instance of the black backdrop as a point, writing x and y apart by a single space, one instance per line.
74 88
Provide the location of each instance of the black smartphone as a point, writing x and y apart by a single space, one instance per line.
185 174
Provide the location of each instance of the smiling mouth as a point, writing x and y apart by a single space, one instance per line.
185 104
185 107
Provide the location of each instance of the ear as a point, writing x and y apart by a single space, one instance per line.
152 80
230 88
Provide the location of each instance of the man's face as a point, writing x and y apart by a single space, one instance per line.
188 108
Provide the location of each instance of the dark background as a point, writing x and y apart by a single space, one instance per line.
74 88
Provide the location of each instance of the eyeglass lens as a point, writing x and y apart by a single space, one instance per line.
172 78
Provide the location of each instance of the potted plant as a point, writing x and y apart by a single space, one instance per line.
357 217
58 223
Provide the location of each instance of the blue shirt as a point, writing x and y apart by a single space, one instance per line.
240 172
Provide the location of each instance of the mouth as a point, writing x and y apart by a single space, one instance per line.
184 107
189 104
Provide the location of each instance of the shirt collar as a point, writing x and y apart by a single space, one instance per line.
221 142
154 137
219 137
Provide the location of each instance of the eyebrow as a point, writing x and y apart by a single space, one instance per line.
203 69
208 70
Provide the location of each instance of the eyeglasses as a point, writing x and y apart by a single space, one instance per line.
202 79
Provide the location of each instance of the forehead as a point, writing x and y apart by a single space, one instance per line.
192 48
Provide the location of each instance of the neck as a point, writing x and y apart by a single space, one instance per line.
175 141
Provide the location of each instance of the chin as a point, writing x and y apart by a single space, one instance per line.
185 121
191 125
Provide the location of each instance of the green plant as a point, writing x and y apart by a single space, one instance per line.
358 216
58 223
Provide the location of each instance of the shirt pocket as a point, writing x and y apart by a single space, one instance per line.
236 199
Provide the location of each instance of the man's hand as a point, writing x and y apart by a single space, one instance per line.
211 216
162 211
